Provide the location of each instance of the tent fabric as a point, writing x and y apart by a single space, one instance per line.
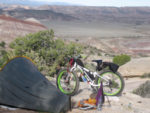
23 86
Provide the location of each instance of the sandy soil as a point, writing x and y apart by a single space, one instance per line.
127 103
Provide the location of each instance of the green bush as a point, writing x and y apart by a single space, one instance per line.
143 90
47 52
121 59
3 53
2 44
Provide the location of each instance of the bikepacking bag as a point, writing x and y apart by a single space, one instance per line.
113 67
86 104
94 102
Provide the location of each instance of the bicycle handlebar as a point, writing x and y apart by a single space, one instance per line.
77 57
74 57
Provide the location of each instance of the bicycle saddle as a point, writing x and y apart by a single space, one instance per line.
97 61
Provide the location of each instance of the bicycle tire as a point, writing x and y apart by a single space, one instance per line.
117 74
75 89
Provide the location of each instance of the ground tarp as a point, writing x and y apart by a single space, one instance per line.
23 86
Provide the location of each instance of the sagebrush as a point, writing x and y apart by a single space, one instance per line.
121 59
47 52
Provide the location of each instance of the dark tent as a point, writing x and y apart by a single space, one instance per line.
23 86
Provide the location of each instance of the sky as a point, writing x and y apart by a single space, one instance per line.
118 3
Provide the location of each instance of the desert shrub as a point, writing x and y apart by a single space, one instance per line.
2 44
146 75
47 52
3 53
121 59
99 54
143 90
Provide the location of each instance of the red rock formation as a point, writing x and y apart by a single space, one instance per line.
10 28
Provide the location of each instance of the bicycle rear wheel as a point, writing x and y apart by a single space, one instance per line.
113 83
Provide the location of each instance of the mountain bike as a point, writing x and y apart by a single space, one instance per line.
68 78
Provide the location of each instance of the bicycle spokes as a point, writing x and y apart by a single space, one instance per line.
111 83
68 82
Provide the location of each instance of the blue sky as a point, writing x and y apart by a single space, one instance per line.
104 2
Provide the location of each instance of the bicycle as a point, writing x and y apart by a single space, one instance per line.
68 79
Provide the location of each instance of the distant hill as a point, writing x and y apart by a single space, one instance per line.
130 15
23 13
137 15
11 28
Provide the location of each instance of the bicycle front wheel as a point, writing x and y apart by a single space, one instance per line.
67 82
113 83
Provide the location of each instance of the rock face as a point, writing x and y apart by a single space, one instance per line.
10 28
136 67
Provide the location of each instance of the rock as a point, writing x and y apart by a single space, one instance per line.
139 101
136 67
